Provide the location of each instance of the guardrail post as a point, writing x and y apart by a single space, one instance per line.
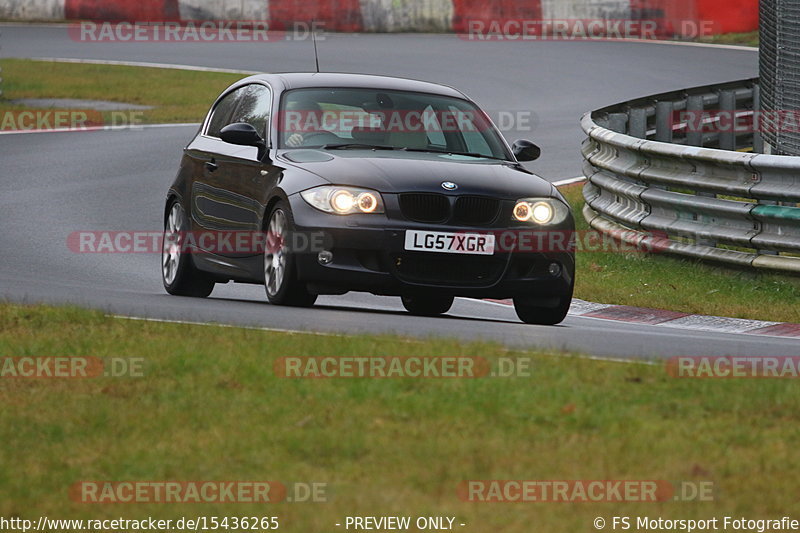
696 103
618 122
637 122
694 120
664 121
727 107
758 138
768 252
705 219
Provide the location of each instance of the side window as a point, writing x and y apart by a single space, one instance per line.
254 106
222 113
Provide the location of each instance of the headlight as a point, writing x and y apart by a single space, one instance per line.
542 211
343 200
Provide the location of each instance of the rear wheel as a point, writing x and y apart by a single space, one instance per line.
280 271
533 312
427 305
179 275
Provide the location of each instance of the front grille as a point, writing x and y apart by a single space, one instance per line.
435 208
449 270
476 210
431 208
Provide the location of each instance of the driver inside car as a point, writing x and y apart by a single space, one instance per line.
305 125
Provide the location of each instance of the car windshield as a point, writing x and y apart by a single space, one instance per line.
347 118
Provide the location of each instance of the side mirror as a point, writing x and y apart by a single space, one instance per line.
243 134
525 151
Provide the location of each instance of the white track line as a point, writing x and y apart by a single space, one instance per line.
144 64
218 325
341 335
681 43
569 181
101 128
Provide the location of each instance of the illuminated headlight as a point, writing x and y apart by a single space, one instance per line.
343 200
542 211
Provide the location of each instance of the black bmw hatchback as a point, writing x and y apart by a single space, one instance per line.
317 184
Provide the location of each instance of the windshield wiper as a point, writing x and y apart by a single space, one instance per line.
451 152
345 146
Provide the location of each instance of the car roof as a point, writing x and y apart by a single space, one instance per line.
307 80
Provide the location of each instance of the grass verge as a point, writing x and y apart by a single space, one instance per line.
669 282
210 408
175 95
742 39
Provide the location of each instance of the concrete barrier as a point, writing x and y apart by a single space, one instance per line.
140 10
224 10
394 16
685 18
32 9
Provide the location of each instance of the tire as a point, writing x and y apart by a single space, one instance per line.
178 273
280 269
543 316
427 305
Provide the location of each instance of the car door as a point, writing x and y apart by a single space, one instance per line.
231 182
252 177
205 152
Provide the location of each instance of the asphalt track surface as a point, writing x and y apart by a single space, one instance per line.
52 184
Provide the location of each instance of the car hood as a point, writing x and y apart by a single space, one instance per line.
396 172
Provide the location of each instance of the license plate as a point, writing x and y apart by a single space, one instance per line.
450 243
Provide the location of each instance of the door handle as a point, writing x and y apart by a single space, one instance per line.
212 166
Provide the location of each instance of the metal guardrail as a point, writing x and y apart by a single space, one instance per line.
658 181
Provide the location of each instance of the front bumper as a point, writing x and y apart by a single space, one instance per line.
368 254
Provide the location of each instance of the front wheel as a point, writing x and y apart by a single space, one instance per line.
179 275
280 271
532 312
427 305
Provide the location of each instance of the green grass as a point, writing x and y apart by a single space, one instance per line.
742 39
176 95
669 282
210 408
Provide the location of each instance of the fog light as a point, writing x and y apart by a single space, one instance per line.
367 202
554 269
522 211
325 258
